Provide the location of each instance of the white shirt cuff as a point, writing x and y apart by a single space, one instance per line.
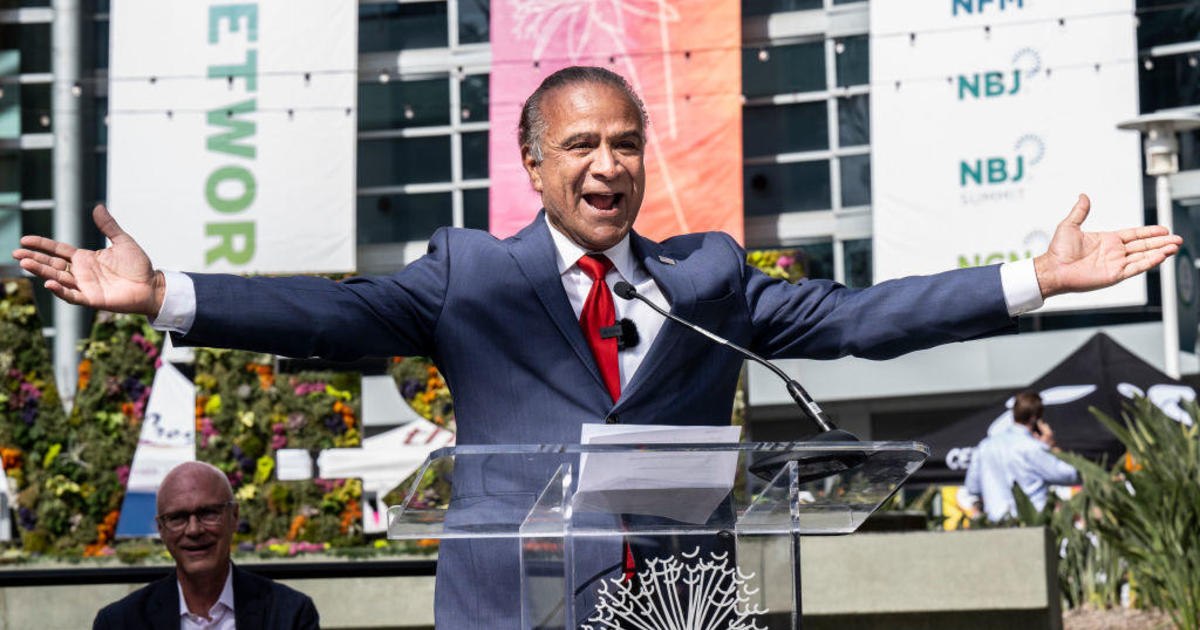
1021 290
178 310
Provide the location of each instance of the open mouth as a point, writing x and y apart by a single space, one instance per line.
196 549
603 201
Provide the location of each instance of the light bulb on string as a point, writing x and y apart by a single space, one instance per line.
408 112
839 47
466 114
1148 64
76 90
45 120
384 77
763 55
1192 62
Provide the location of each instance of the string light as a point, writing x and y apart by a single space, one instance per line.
45 120
76 90
839 47
408 112
1 92
1148 64
763 55
1192 62
384 77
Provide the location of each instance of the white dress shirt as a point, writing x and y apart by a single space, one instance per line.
220 616
1014 455
1018 280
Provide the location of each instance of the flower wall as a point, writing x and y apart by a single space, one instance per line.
245 412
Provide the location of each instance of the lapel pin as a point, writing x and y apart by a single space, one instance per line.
666 261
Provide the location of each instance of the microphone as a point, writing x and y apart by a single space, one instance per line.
819 465
625 332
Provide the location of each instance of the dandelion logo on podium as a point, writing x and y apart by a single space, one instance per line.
705 594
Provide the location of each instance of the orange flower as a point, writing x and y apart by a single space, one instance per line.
11 458
352 513
127 409
85 374
104 533
297 525
425 543
1131 464
432 371
266 377
397 359
200 402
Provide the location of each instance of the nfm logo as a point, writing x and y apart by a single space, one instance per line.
1029 150
1025 63
972 7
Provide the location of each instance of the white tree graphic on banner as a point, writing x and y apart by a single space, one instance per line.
581 22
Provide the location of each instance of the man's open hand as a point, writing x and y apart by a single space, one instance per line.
119 278
1085 261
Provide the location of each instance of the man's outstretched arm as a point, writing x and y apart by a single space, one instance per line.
118 278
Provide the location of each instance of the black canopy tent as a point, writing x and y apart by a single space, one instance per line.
1100 374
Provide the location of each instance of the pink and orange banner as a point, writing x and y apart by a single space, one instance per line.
683 57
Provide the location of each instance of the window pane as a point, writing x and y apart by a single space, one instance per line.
771 129
33 40
854 120
403 161
384 27
786 69
473 16
765 7
99 125
98 53
35 108
474 96
36 179
817 260
400 218
398 104
1167 22
1171 82
475 208
852 62
856 180
856 258
775 188
99 175
475 155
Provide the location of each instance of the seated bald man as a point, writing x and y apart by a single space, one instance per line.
196 519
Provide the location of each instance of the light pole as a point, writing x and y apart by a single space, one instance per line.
1162 161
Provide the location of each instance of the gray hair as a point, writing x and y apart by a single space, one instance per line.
532 128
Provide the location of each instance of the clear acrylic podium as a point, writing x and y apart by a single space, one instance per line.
713 546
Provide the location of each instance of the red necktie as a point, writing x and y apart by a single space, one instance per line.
599 312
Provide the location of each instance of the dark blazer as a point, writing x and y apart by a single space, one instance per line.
494 317
258 604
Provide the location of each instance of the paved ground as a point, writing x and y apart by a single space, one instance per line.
1115 619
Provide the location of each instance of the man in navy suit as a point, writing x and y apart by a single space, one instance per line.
196 519
502 318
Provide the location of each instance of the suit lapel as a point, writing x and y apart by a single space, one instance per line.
249 601
680 292
534 251
163 604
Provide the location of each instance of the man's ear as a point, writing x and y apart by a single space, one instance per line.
532 168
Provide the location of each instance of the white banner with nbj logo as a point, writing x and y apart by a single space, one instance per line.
988 118
232 133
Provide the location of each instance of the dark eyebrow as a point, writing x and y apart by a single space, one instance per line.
576 137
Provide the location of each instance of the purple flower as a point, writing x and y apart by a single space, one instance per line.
411 388
122 474
237 451
28 518
278 428
278 442
30 391
296 421
245 545
133 388
785 261
336 424
247 463
244 528
29 413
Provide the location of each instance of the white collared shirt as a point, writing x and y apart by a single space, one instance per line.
220 616
625 267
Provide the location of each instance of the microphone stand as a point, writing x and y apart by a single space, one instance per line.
817 465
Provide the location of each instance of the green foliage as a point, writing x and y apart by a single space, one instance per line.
1150 512
785 264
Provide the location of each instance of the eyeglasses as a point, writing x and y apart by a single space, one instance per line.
208 515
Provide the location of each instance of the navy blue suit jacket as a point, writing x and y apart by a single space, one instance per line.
494 317
258 603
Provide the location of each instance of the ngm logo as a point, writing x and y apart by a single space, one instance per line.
1026 63
1029 150
972 7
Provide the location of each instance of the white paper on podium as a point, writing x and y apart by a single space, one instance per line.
683 485
293 464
